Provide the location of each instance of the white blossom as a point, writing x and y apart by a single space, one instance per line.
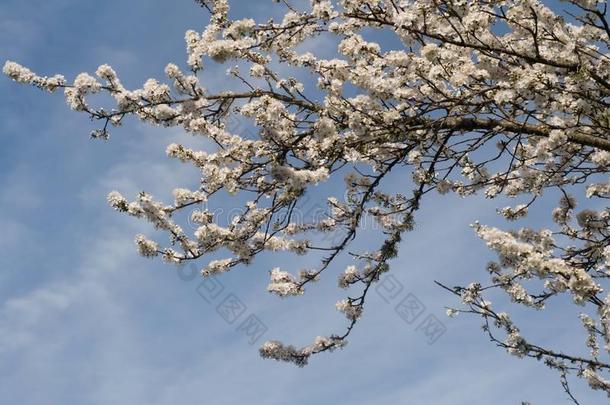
348 277
146 247
117 201
514 213
24 75
217 266
283 283
351 311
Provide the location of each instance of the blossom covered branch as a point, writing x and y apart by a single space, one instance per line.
501 97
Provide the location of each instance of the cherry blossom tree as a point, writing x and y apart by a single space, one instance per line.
505 98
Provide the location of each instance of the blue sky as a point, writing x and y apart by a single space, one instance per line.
85 320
